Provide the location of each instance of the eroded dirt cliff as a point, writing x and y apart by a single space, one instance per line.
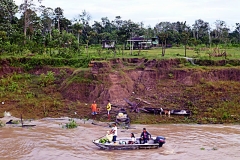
126 78
209 92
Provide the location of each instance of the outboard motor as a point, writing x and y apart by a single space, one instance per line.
160 140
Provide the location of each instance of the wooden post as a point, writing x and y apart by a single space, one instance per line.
21 120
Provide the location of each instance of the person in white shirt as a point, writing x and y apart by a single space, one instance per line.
114 132
133 139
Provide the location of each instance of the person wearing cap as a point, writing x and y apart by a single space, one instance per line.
144 136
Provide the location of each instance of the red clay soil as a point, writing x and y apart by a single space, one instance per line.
121 82
163 83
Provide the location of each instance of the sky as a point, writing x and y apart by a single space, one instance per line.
151 12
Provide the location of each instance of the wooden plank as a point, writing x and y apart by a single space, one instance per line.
143 101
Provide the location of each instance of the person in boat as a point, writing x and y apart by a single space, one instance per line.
109 137
145 136
94 108
133 139
114 132
109 107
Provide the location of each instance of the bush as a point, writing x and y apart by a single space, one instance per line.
225 115
48 79
71 124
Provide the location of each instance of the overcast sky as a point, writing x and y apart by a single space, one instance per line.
151 12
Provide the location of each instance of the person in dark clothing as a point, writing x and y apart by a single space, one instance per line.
144 136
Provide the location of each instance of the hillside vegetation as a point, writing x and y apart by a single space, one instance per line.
42 86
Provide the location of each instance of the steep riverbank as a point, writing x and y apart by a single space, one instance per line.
210 89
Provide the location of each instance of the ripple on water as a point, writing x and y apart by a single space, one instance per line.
48 140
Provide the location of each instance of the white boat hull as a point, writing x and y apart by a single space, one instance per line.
125 146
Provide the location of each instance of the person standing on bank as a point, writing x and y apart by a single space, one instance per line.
144 136
109 107
94 108
114 132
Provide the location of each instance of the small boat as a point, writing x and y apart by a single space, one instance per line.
122 118
123 144
152 110
180 112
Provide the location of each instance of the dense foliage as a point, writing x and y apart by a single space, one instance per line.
43 30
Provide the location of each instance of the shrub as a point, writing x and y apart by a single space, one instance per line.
13 87
225 116
47 79
71 124
228 65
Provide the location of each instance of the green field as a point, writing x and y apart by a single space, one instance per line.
154 53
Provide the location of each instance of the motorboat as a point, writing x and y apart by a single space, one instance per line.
152 110
122 118
126 143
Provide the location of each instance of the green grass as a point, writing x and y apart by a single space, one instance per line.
175 52
82 60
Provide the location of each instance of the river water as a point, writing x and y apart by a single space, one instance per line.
49 141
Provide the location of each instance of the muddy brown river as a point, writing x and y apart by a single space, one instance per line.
49 141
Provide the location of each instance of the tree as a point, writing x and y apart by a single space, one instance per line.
149 32
58 13
98 28
237 29
179 26
162 30
185 36
67 39
77 29
8 9
34 23
200 29
3 36
83 20
118 22
163 38
47 19
65 24
220 34
28 5
106 24
221 27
